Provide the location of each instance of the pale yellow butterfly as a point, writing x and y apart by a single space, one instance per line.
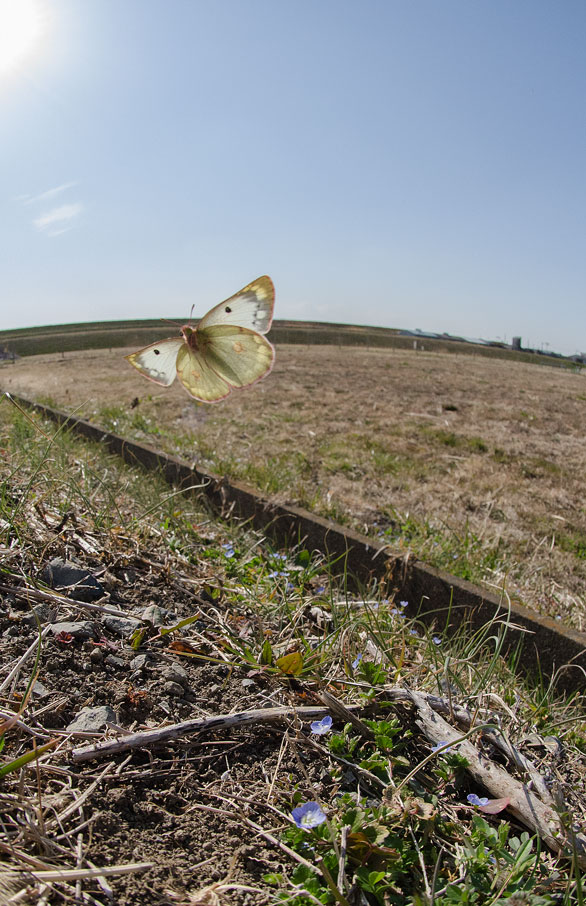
226 351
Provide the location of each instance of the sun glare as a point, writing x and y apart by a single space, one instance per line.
20 30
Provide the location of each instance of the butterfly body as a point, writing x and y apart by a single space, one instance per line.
226 351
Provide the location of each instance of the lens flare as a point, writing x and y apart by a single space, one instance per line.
20 30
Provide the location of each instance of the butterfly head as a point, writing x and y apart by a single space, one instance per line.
190 336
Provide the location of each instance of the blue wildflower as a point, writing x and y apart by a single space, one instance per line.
441 745
473 799
436 640
403 604
356 662
308 815
319 727
228 549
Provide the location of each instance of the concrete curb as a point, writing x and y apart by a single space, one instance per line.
434 596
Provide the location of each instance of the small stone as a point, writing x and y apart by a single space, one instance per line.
142 661
175 673
156 615
96 656
84 629
65 576
90 720
123 626
40 691
247 683
173 689
44 612
114 661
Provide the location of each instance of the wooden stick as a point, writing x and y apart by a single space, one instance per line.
36 594
524 805
187 727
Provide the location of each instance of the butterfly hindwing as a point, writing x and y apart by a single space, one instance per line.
252 307
226 357
158 361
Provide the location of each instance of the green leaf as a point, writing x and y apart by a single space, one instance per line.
166 630
24 759
273 878
292 664
136 638
266 654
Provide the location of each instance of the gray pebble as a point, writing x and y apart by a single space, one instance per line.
173 689
156 615
123 626
65 576
84 629
175 673
44 612
114 661
142 661
92 719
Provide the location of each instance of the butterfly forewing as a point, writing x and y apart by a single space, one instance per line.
158 361
252 307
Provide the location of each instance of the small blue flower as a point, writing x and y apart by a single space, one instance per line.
473 799
308 815
278 573
414 632
436 640
356 662
441 745
319 727
228 549
320 590
403 604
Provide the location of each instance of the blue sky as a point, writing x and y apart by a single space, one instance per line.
405 163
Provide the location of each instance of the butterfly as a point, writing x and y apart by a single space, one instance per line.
226 351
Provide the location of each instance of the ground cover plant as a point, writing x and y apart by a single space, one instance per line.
471 464
377 762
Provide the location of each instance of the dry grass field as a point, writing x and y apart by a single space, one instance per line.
474 465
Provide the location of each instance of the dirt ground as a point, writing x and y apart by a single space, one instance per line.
180 807
459 458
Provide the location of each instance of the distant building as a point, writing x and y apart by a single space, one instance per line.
516 343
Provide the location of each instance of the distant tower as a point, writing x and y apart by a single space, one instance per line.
516 343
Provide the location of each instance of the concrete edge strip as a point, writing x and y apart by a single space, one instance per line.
436 597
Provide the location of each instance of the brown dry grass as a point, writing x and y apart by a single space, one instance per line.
476 465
